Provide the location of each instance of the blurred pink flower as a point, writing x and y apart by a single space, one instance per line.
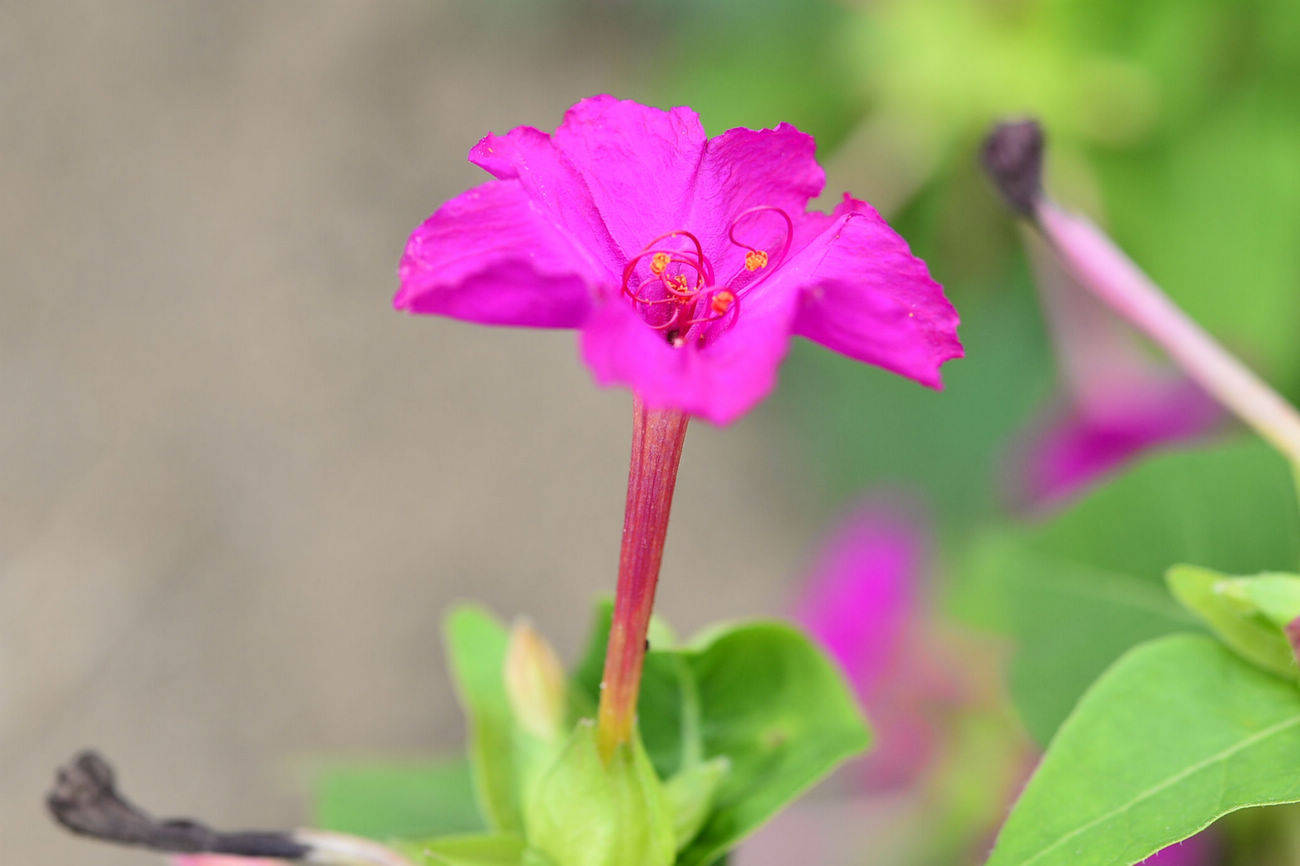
864 602
1200 850
1117 403
686 262
220 860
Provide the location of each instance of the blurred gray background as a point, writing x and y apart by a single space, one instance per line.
237 490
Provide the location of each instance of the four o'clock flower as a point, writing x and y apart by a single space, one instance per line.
1115 402
686 262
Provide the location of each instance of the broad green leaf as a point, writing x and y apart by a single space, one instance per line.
500 850
760 695
1179 732
1079 589
390 801
587 811
780 712
476 649
691 794
1233 619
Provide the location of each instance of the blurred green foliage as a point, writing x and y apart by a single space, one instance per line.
1176 124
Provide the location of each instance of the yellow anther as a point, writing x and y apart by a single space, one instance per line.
658 263
755 259
722 302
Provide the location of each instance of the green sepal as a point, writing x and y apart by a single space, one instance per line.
760 694
1228 607
586 811
691 795
1274 595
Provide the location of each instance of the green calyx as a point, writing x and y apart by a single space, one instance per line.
1250 614
731 727
589 812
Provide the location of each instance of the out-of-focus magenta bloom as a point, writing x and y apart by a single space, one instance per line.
1074 445
863 602
1200 850
686 262
1117 402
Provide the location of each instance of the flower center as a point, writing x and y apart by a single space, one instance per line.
674 287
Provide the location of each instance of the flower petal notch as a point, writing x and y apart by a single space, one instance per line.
685 262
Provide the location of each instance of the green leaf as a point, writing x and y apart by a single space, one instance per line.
495 850
1233 618
389 800
476 650
779 711
691 794
1078 590
762 696
1178 733
590 812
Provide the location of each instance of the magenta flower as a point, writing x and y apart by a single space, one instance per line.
686 262
1116 402
863 601
1200 850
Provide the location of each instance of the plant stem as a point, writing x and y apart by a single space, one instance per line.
1103 268
657 439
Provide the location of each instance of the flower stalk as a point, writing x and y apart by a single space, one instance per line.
657 439
1013 157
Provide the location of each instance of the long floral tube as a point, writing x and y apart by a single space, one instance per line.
1013 157
657 439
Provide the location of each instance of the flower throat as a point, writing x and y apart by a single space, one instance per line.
674 287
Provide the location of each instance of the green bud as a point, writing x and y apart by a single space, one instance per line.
1252 615
535 683
588 812
1275 596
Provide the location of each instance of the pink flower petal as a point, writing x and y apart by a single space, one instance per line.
866 296
486 256
746 168
718 382
1199 850
565 238
556 190
220 860
614 169
1071 446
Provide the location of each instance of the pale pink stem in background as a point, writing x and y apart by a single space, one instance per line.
1099 357
337 848
1103 269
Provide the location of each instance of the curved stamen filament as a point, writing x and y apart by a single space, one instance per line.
705 267
757 259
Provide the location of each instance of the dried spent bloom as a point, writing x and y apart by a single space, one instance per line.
686 262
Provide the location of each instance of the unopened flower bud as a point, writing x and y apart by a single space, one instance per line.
535 683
